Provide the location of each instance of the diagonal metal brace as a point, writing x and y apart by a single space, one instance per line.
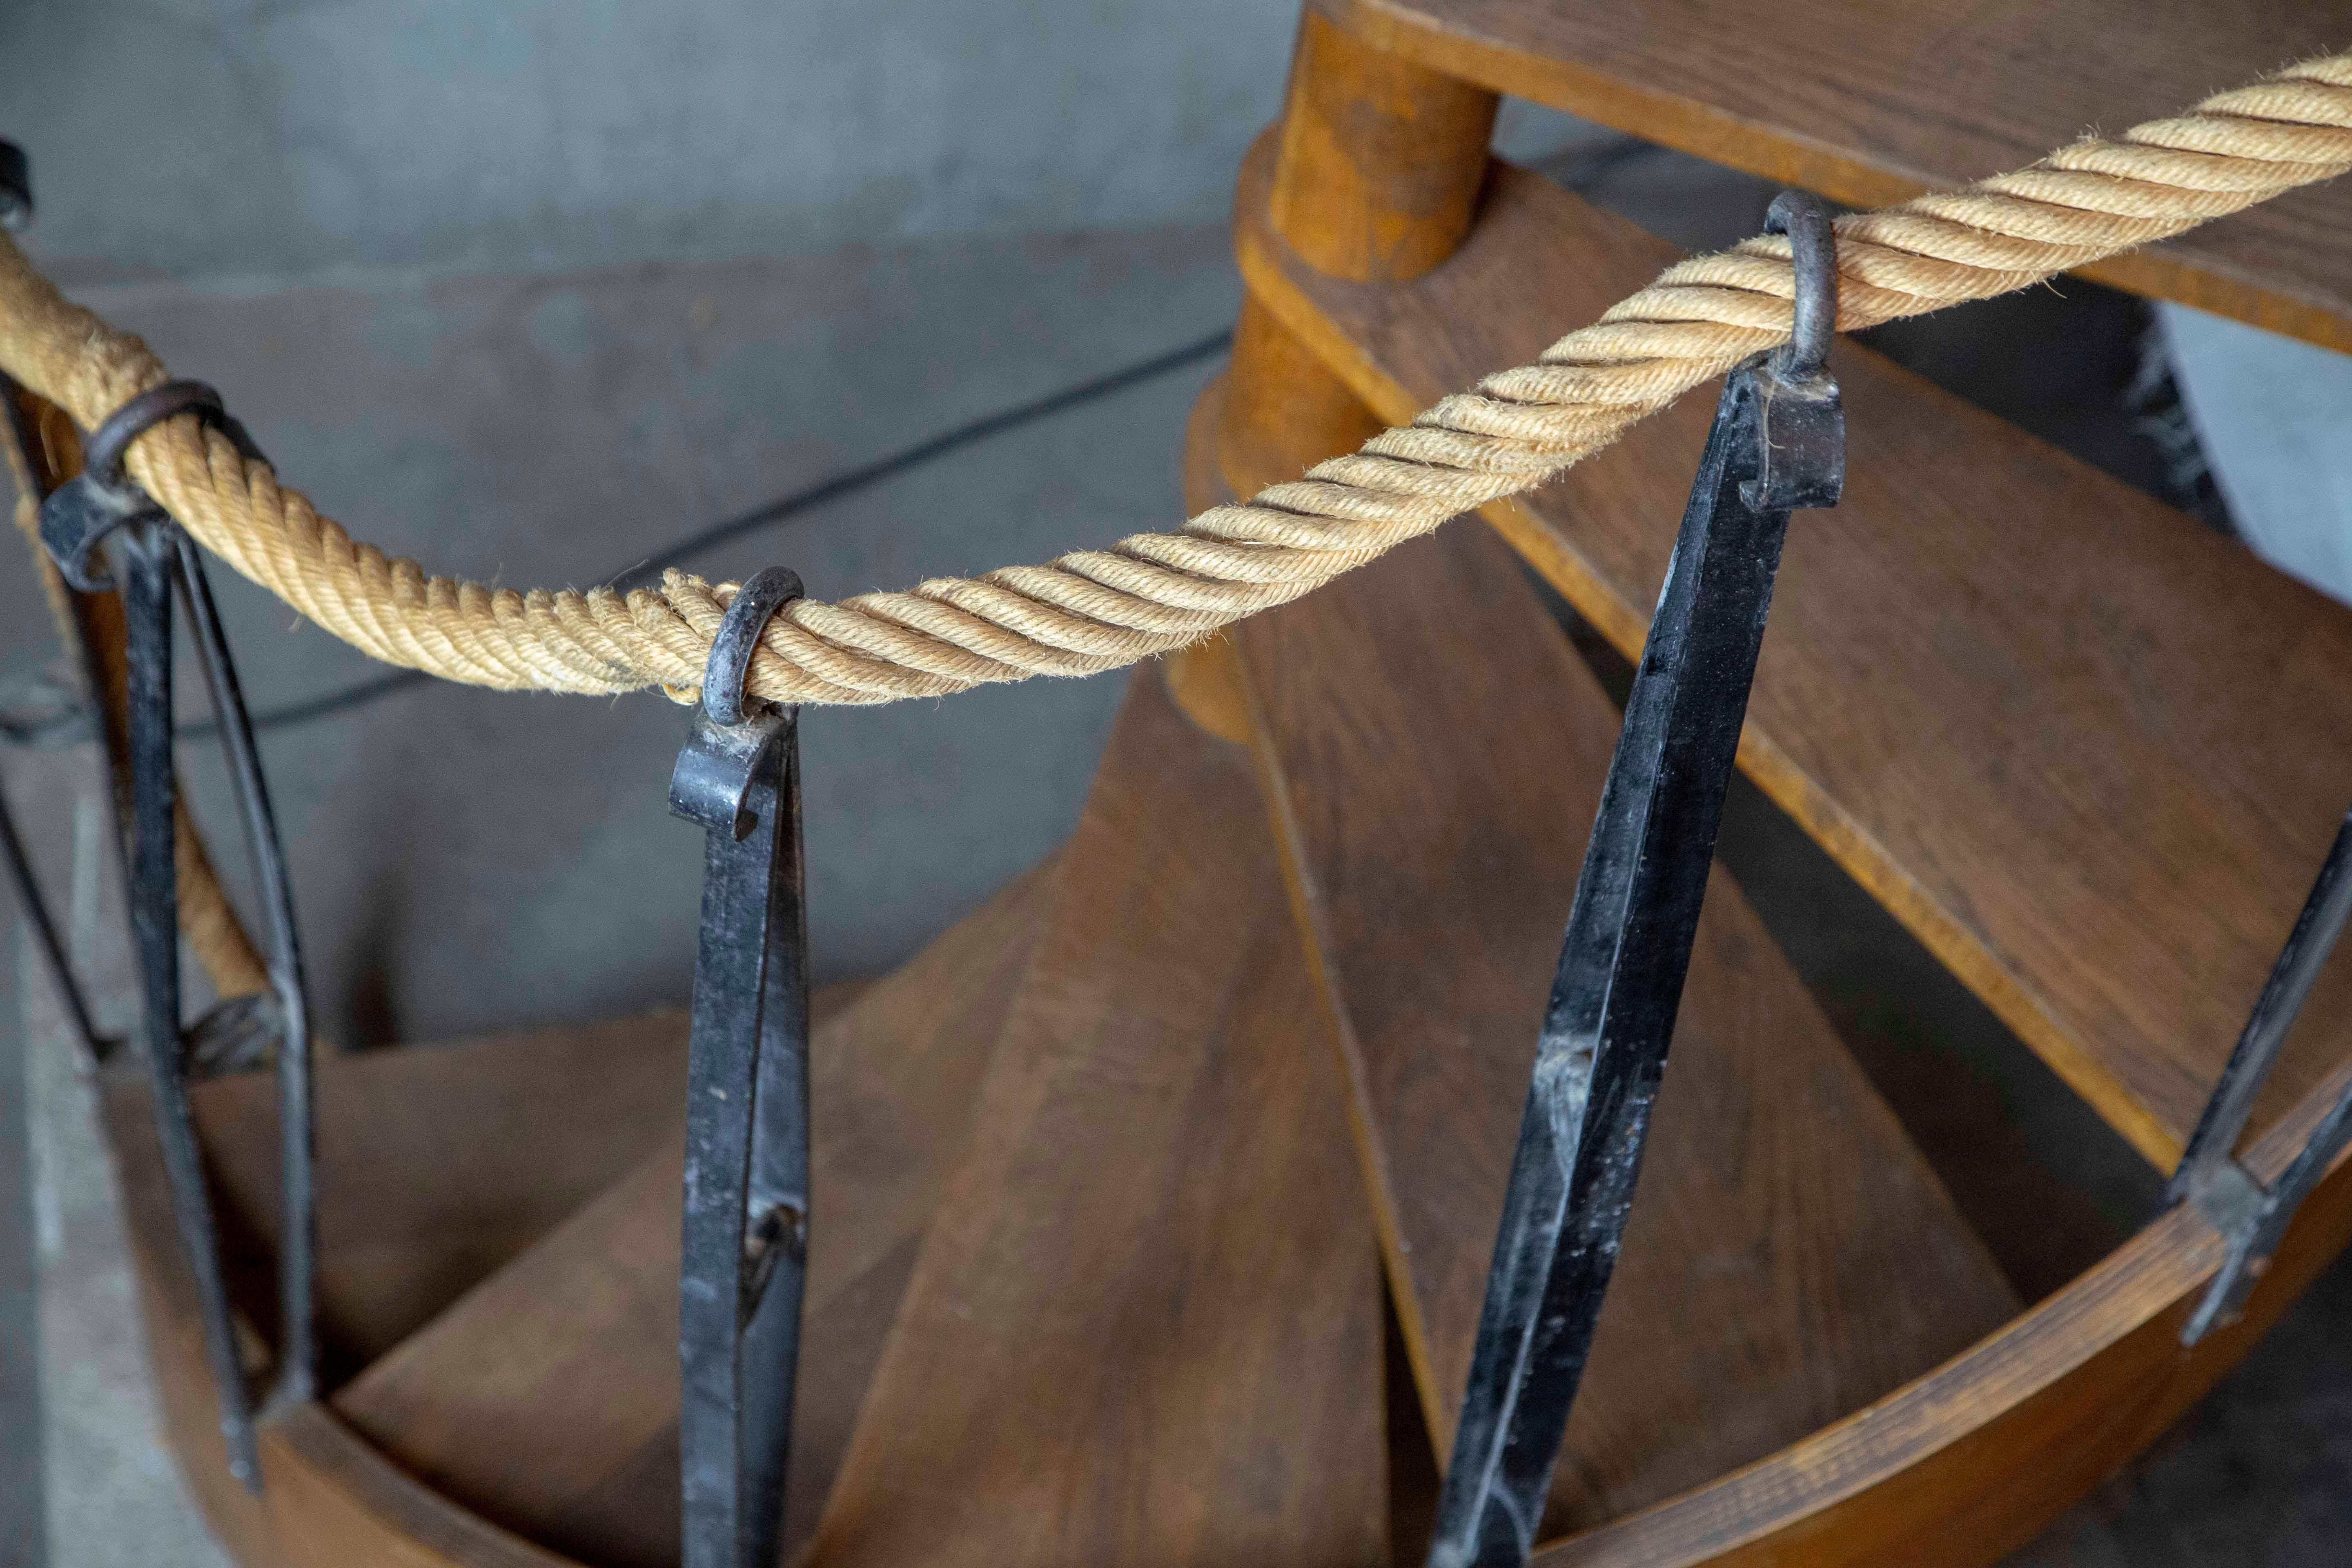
2252 1218
745 1258
1777 443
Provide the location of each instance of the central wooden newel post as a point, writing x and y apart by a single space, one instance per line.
1377 168
1376 180
1377 175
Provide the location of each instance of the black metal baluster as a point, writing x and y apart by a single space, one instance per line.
745 1242
1777 443
2254 1218
158 561
297 1347
147 564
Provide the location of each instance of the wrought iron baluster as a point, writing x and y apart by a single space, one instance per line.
289 1018
2254 1218
147 562
157 562
1777 443
747 1124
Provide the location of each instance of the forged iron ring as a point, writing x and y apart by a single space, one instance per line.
1804 218
755 602
102 454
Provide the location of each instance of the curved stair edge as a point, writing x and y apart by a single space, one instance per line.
1973 1457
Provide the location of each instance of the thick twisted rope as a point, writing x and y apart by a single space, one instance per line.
1096 609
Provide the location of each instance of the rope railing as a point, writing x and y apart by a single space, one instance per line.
1095 610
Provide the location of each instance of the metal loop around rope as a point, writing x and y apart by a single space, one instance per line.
755 604
1804 218
78 514
743 1260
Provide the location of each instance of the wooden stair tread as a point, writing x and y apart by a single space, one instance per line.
1872 104
1146 1325
436 1162
2089 752
1434 751
546 1399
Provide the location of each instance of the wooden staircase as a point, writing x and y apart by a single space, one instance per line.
1153 1202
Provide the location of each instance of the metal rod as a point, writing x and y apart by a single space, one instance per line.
95 1048
149 560
2252 1218
297 1351
745 1241
2307 945
1775 444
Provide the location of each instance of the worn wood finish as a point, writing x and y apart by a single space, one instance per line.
1872 104
1432 752
436 1163
338 1503
1950 1472
1381 157
1146 1327
547 1397
1282 410
312 1509
1964 1465
2090 753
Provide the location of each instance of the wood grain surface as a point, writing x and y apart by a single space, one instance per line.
546 1398
1951 1471
1434 751
436 1163
2090 753
1145 1327
1968 1463
1871 103
1381 157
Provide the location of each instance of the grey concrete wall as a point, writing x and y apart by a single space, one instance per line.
270 139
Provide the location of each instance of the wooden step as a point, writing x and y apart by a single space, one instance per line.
1872 104
2090 753
546 1399
1145 1328
1432 752
436 1163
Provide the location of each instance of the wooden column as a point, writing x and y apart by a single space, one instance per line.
1380 158
1376 181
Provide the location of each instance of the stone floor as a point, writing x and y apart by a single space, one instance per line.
466 860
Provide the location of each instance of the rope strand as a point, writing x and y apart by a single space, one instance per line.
1095 610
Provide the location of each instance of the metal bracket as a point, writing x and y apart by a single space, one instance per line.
78 514
158 562
1777 443
2252 1218
745 1256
